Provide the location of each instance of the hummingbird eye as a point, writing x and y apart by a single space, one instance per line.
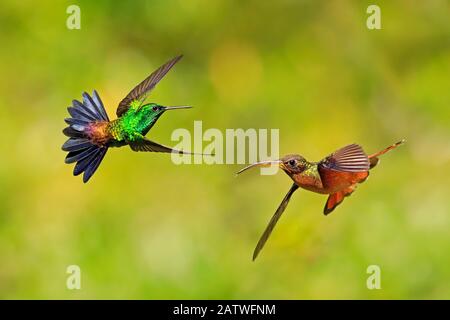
155 108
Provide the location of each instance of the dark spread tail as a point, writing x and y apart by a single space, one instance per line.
80 148
373 158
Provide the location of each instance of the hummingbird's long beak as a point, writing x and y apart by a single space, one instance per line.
267 163
177 107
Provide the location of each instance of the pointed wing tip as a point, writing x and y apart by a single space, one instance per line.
255 255
175 60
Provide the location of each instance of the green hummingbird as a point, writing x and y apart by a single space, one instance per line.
91 132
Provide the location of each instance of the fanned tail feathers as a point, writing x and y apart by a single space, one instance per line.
81 150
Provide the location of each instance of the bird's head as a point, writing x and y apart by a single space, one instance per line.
157 110
291 164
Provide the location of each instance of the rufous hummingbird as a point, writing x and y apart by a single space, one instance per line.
336 175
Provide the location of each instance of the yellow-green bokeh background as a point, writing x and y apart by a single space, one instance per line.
145 228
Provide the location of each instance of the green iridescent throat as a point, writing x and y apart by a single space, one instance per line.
136 122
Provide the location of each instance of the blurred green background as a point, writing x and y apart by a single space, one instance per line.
146 228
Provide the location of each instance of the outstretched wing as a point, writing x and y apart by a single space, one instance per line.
146 145
273 221
351 158
140 92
